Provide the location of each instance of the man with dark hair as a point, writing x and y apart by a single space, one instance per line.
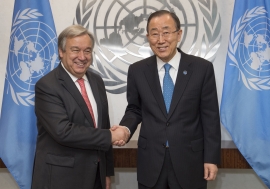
173 95
74 141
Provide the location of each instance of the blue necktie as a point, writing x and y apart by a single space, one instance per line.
168 87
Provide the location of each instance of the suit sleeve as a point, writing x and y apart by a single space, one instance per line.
210 118
109 153
133 115
53 118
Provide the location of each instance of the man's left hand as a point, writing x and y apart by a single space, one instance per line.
108 182
210 171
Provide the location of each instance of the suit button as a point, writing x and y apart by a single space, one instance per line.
96 162
167 124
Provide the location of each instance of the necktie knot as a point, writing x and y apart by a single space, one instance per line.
167 67
81 82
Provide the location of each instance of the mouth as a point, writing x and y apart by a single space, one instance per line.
162 48
80 64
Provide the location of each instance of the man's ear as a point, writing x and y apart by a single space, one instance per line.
179 35
60 53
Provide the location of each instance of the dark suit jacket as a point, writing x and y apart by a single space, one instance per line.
68 146
192 125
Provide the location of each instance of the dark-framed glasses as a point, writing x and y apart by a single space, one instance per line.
165 34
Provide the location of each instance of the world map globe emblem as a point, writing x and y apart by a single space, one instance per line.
119 27
33 53
121 35
254 48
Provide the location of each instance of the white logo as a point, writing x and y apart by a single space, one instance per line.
119 27
249 49
33 53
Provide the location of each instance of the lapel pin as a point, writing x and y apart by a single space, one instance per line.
185 72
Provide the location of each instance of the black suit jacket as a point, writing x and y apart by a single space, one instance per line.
192 125
68 146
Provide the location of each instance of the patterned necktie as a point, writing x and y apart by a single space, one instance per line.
168 87
86 99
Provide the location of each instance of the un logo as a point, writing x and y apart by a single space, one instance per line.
119 27
32 54
249 49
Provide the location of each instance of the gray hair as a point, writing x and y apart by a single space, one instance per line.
70 32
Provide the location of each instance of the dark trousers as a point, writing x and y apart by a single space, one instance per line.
167 178
97 180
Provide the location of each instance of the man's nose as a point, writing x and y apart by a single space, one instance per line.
81 55
161 38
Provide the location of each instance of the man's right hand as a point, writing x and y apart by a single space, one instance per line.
120 135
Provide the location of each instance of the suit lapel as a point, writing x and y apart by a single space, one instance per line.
70 86
151 74
94 87
183 76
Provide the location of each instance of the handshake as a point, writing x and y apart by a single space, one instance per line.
120 135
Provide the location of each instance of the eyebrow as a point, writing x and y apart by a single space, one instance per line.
165 27
76 47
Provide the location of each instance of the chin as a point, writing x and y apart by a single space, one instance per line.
163 57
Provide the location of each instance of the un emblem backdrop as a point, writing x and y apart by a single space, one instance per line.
119 27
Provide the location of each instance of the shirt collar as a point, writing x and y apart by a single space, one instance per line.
174 62
74 79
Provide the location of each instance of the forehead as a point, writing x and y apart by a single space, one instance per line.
83 40
161 22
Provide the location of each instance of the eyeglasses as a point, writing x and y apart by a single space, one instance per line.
165 35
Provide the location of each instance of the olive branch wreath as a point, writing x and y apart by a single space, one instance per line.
212 25
26 14
210 43
24 98
250 83
83 12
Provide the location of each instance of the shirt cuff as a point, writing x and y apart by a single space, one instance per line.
127 129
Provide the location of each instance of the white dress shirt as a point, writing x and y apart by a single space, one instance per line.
174 62
88 90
